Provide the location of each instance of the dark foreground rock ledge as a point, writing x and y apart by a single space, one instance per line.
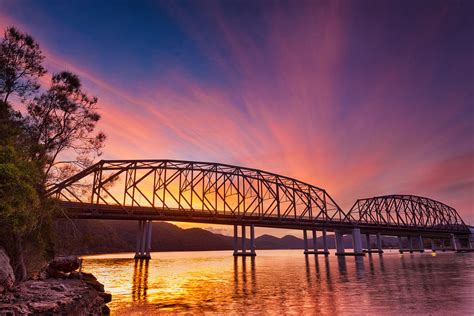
56 292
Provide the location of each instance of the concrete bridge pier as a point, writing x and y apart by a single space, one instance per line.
410 244
244 251
325 242
315 250
369 245
143 246
420 242
400 244
356 243
379 243
433 246
454 244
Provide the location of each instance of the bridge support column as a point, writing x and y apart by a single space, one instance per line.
139 240
400 244
410 244
433 246
454 244
315 250
340 251
252 240
379 243
325 242
148 241
244 239
420 242
305 241
244 251
236 248
367 240
143 246
357 242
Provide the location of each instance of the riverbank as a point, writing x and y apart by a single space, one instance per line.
58 289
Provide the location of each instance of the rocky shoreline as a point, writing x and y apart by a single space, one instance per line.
58 289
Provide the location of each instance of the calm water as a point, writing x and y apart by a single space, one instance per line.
287 282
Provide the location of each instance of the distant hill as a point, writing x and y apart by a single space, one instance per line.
106 236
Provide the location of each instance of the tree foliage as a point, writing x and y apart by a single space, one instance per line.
59 119
64 118
20 64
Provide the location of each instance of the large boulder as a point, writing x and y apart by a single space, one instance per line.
7 277
64 264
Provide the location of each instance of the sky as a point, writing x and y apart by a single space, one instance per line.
361 98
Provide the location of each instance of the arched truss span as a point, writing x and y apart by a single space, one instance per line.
409 211
198 188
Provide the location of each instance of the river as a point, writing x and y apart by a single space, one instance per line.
287 282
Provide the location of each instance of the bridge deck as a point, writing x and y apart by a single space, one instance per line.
116 212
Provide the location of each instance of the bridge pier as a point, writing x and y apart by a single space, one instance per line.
325 242
369 245
410 244
244 251
315 250
433 246
379 243
143 246
356 243
400 244
420 242
454 244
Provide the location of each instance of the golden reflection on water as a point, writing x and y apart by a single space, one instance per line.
285 281
140 280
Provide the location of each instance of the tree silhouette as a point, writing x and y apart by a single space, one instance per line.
20 64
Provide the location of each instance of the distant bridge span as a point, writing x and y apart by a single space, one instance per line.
203 192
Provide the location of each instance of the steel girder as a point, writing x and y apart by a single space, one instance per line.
192 187
409 211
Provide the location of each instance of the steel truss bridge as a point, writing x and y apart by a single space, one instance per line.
203 192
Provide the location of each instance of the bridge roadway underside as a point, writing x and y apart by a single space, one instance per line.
116 212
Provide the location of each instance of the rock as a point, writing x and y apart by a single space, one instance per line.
65 264
106 296
58 288
54 297
7 277
95 284
82 275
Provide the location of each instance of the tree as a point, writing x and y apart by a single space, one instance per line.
20 203
63 119
20 64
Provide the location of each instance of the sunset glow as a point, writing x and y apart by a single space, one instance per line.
361 101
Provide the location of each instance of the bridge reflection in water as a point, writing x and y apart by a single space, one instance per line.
284 281
140 280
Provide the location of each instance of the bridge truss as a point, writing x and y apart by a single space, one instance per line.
407 211
172 189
